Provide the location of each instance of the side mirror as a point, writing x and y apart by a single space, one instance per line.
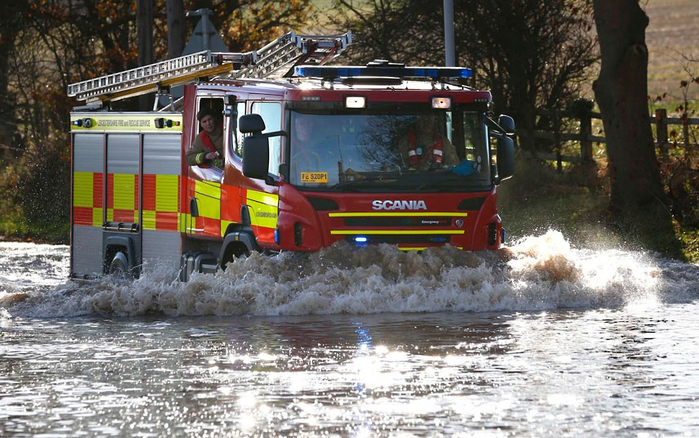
255 155
251 123
255 146
507 123
505 157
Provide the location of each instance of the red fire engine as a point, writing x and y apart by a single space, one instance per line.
313 154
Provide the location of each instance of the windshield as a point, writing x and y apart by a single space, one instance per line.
408 151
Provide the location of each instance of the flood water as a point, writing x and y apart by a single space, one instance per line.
549 340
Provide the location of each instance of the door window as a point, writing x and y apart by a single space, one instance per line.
236 137
271 113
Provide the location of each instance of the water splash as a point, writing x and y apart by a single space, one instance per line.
535 273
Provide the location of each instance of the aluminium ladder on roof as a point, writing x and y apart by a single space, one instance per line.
278 58
283 53
149 78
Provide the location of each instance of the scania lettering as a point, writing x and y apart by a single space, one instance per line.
399 205
313 155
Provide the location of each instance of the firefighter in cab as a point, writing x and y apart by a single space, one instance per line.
207 149
426 148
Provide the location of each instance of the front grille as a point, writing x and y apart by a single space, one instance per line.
419 229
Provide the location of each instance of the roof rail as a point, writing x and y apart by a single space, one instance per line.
277 58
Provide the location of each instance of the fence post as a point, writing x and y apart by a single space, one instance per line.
557 139
661 130
585 142
685 132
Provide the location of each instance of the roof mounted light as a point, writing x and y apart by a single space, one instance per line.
332 72
441 102
355 102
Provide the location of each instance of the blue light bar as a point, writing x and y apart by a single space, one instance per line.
361 239
331 72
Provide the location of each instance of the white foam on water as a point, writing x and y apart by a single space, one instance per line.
535 273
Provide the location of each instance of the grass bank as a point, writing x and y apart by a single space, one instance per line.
538 199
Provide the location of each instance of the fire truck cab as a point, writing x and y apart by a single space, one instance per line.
318 154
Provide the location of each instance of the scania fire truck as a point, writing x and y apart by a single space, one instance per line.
364 175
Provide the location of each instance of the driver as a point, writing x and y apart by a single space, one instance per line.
425 148
207 149
311 144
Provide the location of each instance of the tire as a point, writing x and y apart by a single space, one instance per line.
119 267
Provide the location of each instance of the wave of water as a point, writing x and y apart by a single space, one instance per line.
535 273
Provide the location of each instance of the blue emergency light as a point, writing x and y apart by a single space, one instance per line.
332 72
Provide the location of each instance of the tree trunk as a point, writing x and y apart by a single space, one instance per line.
175 28
7 104
12 19
621 91
144 30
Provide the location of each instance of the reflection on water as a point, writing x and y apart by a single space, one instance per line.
549 340
575 372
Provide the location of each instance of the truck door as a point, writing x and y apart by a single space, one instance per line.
263 202
106 197
88 204
122 230
204 184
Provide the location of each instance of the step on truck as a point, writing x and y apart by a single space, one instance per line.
313 154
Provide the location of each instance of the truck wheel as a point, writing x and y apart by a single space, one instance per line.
233 252
119 267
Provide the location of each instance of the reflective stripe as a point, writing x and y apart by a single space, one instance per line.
420 248
82 189
263 197
167 189
122 197
149 222
207 196
185 222
123 188
434 152
160 202
87 198
207 188
264 208
209 208
397 232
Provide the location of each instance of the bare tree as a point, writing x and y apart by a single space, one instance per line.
621 90
529 53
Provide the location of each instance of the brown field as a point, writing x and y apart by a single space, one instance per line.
672 36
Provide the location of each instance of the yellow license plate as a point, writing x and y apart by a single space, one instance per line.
314 177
